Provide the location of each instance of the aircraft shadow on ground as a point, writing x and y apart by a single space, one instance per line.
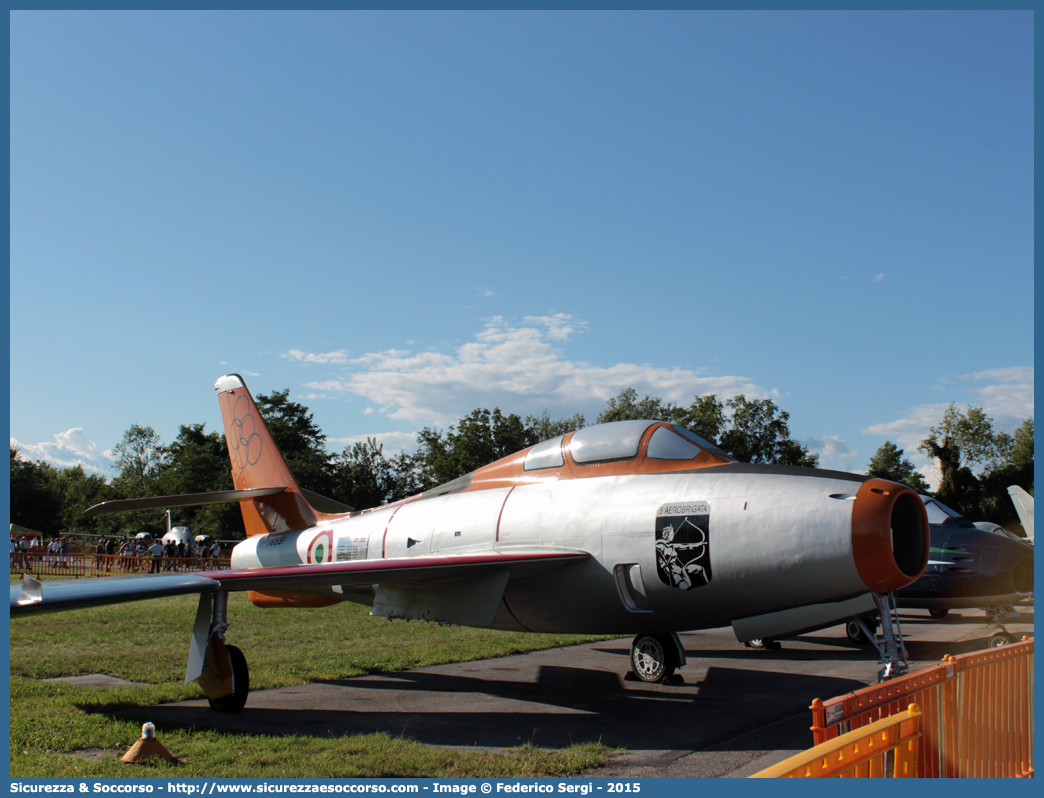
825 650
564 706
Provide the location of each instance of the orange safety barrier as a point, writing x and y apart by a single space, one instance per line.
978 713
74 567
861 754
116 564
52 565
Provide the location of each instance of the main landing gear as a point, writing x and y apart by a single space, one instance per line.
223 672
996 615
654 658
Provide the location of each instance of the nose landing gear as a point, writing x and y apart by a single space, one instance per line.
997 615
654 658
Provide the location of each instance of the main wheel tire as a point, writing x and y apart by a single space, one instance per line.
236 700
940 612
766 644
652 658
855 634
1001 639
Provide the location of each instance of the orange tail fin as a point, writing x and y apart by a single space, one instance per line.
258 463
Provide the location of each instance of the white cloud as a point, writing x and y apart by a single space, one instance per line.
1007 394
69 449
515 366
908 432
339 358
830 447
878 277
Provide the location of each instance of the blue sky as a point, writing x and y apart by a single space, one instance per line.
404 216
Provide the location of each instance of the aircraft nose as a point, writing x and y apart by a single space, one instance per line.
890 538
1022 576
1011 561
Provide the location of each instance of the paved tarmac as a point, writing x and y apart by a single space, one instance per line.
738 711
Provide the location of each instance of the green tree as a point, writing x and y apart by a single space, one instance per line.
1021 454
1016 469
888 463
198 462
140 459
301 441
476 440
628 407
759 432
543 427
963 441
75 490
705 416
969 437
365 477
33 503
752 431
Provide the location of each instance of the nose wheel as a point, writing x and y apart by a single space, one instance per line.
654 658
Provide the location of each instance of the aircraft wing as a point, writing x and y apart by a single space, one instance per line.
35 597
32 597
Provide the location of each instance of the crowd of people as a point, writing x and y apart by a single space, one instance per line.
26 549
113 555
152 554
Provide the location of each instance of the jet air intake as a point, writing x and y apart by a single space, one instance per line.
890 539
1022 577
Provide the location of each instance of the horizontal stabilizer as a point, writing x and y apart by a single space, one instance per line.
325 504
182 500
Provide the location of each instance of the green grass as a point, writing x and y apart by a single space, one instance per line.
148 642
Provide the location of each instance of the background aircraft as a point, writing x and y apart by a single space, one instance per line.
1024 506
632 527
971 565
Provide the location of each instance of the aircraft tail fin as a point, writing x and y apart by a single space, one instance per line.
258 463
1024 507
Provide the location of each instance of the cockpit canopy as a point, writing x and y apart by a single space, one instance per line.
619 440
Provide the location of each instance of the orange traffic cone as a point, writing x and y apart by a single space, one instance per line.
147 746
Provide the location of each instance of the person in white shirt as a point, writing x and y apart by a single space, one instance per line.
157 557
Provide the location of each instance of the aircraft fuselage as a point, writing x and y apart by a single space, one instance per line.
668 551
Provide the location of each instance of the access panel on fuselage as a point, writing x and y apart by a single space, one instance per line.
468 521
411 528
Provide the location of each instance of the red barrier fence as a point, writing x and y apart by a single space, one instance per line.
977 710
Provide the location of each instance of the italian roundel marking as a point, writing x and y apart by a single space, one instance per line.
321 548
683 544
